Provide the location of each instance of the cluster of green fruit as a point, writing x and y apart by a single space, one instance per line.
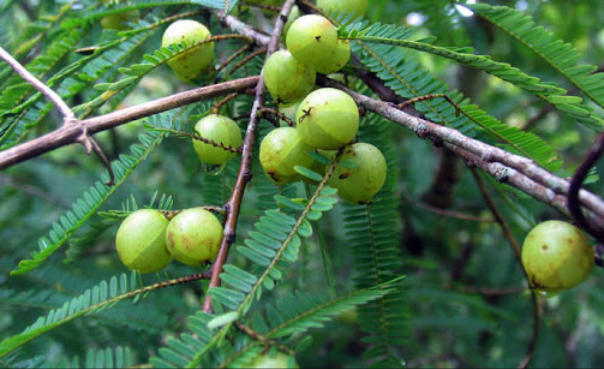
147 241
327 119
556 256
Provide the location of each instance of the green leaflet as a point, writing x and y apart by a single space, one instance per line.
560 55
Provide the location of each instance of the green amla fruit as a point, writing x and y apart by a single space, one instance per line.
278 360
141 241
556 256
118 21
328 119
192 62
312 40
282 150
338 59
193 236
358 7
219 129
358 185
286 79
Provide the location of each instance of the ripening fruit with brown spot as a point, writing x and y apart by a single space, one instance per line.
189 64
359 185
282 150
193 236
556 256
141 241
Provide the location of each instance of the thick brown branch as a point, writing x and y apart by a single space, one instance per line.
245 172
515 170
70 133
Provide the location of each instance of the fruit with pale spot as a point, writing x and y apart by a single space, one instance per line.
556 256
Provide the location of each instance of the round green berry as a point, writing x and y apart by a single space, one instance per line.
328 119
556 256
358 185
338 59
221 130
312 40
193 236
141 241
199 58
282 150
278 360
287 80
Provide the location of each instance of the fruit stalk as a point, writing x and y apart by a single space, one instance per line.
245 173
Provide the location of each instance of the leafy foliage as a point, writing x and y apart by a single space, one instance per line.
420 277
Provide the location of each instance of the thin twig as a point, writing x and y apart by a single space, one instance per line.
198 137
69 134
216 108
278 114
516 247
245 173
574 206
445 212
63 108
246 60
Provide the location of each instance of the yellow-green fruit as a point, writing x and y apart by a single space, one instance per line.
219 129
358 7
358 185
141 241
277 361
190 63
328 119
287 80
338 59
556 256
193 236
280 151
312 40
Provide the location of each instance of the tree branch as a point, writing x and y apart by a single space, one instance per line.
71 133
574 206
245 173
515 170
63 108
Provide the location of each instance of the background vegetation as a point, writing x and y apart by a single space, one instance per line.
464 302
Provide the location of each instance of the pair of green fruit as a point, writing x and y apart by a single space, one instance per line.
147 241
556 256
313 46
327 120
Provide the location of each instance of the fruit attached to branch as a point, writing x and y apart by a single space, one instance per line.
193 236
556 256
141 241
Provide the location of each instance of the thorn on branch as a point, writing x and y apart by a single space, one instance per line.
90 145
